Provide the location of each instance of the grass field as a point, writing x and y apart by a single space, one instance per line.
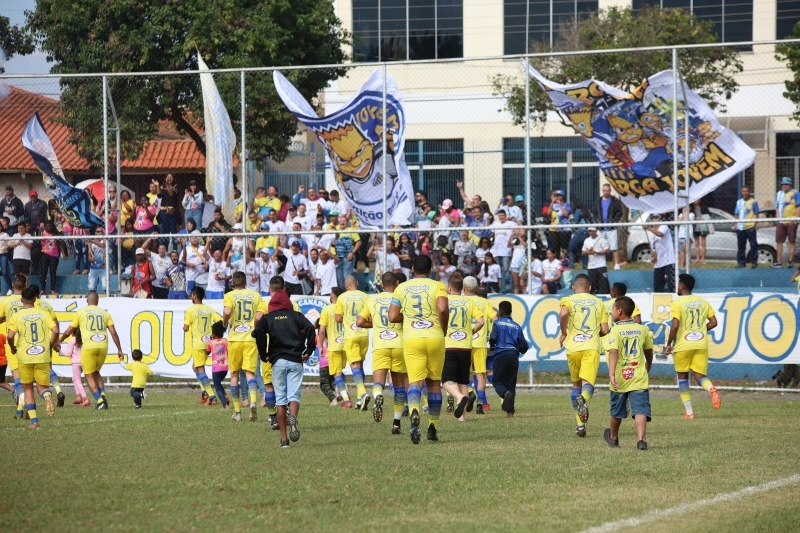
177 466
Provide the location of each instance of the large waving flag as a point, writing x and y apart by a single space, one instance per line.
74 203
631 136
220 143
353 139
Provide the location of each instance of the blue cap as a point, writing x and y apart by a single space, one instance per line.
519 198
561 192
786 181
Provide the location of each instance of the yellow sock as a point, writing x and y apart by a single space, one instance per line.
361 390
578 420
435 423
237 406
272 412
377 389
21 401
210 391
32 414
253 395
101 399
57 387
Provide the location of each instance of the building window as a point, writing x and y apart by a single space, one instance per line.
408 30
435 166
788 16
787 160
545 18
733 19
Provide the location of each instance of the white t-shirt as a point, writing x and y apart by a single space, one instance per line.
194 256
294 262
391 262
443 274
598 244
311 205
326 274
550 268
266 271
662 246
443 224
160 266
514 212
251 272
20 250
305 222
492 276
341 207
518 254
502 232
276 226
535 282
217 269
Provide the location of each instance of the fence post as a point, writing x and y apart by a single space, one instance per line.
384 180
569 175
245 180
105 185
675 186
527 158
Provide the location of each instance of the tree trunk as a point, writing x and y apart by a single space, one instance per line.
179 120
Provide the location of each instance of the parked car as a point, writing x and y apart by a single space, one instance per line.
720 246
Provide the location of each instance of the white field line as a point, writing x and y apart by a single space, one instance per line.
54 422
658 514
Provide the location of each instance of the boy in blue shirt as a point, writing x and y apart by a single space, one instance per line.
508 344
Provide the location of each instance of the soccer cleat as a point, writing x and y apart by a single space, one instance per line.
203 398
273 422
612 443
479 410
486 408
415 436
508 397
339 398
405 412
396 428
137 406
580 431
78 401
377 409
451 404
641 445
458 412
105 400
347 405
364 401
471 403
212 401
35 425
237 417
48 403
61 398
688 417
253 412
284 444
294 431
716 401
102 406
583 409
432 433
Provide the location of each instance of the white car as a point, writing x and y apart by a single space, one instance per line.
720 246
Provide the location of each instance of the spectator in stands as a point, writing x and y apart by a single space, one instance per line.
489 274
787 205
209 207
144 217
35 212
176 278
503 229
338 204
127 245
513 212
303 217
747 211
420 198
314 203
595 249
96 253
235 247
519 253
406 254
169 206
194 257
560 211
445 269
551 273
663 255
127 207
22 245
261 203
608 209
220 225
273 202
52 249
284 209
347 244
296 270
192 204
464 250
701 230
326 274
469 203
6 264
484 247
580 216
238 203
450 211
142 276
36 249
12 207
160 262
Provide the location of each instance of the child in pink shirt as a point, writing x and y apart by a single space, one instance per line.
73 351
218 348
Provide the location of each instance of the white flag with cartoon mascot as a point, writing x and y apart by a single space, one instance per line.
631 136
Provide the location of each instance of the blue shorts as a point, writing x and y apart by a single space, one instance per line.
215 295
639 400
287 378
176 295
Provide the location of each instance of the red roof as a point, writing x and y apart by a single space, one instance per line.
17 108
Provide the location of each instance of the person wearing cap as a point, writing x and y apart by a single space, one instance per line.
747 211
608 209
193 204
560 211
12 207
663 249
35 212
142 276
787 205
595 248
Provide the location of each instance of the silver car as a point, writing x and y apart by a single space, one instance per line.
720 245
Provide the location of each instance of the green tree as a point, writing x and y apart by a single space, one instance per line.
13 41
790 53
121 36
708 71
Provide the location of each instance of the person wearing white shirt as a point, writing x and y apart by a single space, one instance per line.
313 203
503 229
161 263
385 259
22 251
250 271
660 238
337 204
489 274
218 276
551 273
326 274
303 218
267 268
193 256
535 276
274 224
296 270
596 248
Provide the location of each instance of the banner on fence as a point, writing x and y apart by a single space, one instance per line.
353 139
631 136
757 328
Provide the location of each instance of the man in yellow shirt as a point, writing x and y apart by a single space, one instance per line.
197 320
45 305
94 322
692 319
480 341
356 340
331 339
242 307
583 320
10 305
421 305
31 334
387 350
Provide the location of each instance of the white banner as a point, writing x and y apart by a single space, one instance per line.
759 328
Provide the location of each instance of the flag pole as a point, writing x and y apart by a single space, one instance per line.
385 155
105 183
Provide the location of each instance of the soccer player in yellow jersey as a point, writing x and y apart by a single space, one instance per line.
31 334
421 305
60 397
94 322
331 336
692 319
197 321
356 339
387 350
10 305
242 307
465 319
629 349
583 320
480 341
618 290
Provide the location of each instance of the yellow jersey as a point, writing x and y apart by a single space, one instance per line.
47 307
463 315
244 304
630 340
33 327
610 305
693 313
586 313
93 322
140 372
199 318
480 338
334 331
417 300
10 305
349 305
385 334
